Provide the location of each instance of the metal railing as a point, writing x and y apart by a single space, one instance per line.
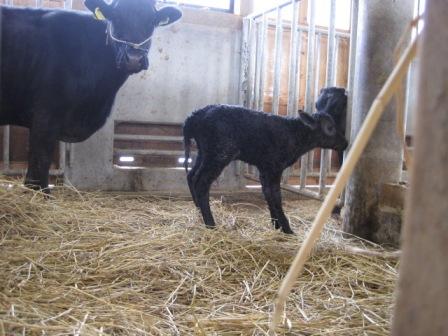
253 65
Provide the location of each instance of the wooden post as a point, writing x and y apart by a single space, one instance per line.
422 302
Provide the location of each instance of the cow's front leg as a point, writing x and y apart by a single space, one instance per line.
41 149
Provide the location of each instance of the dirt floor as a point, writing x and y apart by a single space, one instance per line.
107 264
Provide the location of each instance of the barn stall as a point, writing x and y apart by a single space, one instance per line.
119 248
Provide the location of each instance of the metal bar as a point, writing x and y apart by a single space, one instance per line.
294 69
278 63
252 63
330 78
351 75
336 61
68 4
317 70
265 12
293 61
295 190
352 65
309 80
245 63
316 92
316 174
260 102
259 32
6 138
299 65
232 6
303 28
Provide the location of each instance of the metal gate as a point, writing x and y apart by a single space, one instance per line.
303 36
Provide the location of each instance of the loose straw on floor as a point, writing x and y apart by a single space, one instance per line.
375 112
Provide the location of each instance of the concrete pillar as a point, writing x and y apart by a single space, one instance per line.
380 25
422 301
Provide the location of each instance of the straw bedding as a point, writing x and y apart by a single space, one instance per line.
97 264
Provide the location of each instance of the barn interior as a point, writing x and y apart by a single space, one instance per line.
119 248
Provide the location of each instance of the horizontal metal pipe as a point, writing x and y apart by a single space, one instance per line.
303 28
295 190
265 12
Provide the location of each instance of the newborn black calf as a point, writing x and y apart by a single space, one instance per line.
271 143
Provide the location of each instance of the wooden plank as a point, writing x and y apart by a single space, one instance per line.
127 127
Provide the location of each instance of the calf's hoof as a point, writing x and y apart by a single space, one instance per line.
287 231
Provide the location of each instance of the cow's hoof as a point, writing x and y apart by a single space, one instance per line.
336 210
36 187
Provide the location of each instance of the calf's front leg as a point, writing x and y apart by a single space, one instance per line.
270 183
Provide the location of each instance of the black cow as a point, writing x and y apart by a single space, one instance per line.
61 70
334 100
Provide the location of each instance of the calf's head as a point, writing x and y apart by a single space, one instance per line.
324 131
130 26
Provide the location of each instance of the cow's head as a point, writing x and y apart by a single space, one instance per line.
333 101
130 25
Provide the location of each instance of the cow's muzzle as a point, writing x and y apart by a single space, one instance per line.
132 60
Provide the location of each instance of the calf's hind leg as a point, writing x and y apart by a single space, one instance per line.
191 177
207 172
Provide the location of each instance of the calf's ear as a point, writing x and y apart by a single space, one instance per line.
308 120
168 15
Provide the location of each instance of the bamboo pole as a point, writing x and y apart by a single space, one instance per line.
375 112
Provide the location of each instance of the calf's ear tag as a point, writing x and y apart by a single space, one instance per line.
98 14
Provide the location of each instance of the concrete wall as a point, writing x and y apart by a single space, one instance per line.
193 63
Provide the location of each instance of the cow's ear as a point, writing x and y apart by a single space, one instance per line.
99 8
308 120
168 15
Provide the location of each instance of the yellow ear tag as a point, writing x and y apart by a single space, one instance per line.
99 15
